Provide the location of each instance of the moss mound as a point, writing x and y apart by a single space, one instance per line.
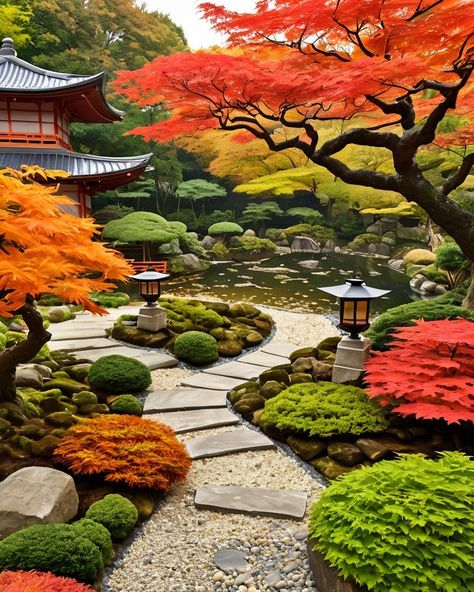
119 374
116 513
98 534
126 405
196 347
323 409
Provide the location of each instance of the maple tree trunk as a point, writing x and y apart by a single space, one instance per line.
23 352
468 302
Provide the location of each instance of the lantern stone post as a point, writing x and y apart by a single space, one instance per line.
151 317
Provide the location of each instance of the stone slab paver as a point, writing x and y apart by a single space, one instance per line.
151 359
197 419
235 370
180 399
81 344
256 501
211 381
71 333
239 440
280 348
259 358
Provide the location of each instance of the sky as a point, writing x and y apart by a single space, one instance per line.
184 13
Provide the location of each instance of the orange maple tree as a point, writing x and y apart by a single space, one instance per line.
43 249
389 70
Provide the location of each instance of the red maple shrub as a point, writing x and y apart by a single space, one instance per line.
428 372
125 449
35 581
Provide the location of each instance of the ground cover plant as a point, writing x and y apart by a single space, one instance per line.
116 514
125 449
428 371
34 581
401 525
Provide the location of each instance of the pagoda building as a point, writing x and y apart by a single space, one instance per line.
37 107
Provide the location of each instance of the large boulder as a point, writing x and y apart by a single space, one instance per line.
28 377
413 234
208 242
58 314
419 257
187 263
36 495
305 244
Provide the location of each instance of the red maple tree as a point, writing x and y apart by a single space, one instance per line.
428 372
388 70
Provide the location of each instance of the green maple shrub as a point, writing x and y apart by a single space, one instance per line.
323 409
58 548
196 347
119 374
401 526
126 405
116 513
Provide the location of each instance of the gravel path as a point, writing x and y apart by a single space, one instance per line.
174 551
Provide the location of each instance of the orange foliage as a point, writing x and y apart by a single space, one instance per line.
125 449
34 581
43 249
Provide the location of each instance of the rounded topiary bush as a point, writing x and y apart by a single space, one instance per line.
225 228
119 374
323 409
196 347
116 513
98 534
57 548
126 405
401 526
34 581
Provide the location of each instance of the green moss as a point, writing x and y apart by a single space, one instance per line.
110 299
184 315
362 241
14 337
419 257
98 534
190 244
57 548
196 347
251 243
432 273
323 409
315 231
126 405
116 513
401 525
220 250
119 374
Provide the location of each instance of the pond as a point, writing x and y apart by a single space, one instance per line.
283 283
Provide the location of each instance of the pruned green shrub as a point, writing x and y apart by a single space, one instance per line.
225 228
196 347
58 548
316 231
116 513
126 405
98 534
119 374
401 526
110 299
323 409
402 316
362 241
251 244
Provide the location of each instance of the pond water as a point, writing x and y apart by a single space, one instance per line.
283 283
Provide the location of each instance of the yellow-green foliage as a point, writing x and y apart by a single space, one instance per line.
316 231
419 257
116 513
184 315
323 409
363 240
404 208
239 244
401 526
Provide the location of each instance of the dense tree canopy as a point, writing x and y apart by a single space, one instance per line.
389 71
14 18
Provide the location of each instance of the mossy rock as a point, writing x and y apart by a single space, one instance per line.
229 348
60 374
306 448
61 419
140 337
31 431
8 451
143 501
219 307
303 365
218 333
345 453
51 364
271 389
256 417
6 429
248 403
79 372
45 447
84 398
322 371
253 338
93 408
275 374
419 257
58 432
263 327
52 405
329 468
329 344
67 386
239 309
303 352
300 377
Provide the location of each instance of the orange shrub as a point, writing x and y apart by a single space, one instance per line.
125 449
35 581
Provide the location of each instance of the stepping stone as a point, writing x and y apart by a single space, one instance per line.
240 440
73 333
256 501
260 358
180 399
229 560
78 344
235 370
197 419
151 359
280 348
211 381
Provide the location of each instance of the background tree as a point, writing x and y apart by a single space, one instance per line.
389 71
43 249
14 18
198 190
257 214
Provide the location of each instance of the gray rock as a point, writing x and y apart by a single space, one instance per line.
304 244
58 314
289 567
43 370
329 247
249 232
428 287
197 419
36 495
17 327
239 440
440 289
413 234
375 228
309 264
390 238
229 560
208 242
417 281
245 578
379 249
273 578
190 262
28 377
183 399
397 264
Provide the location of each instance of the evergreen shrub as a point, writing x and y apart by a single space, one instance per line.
196 347
315 231
323 409
98 534
119 374
126 405
116 513
362 241
224 228
401 526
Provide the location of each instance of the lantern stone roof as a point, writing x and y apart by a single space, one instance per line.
84 95
106 172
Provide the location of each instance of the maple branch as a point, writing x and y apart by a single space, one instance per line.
460 175
361 137
404 108
419 10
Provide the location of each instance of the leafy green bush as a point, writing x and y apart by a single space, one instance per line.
126 405
196 347
251 243
432 273
49 300
450 257
119 374
275 234
110 299
58 548
362 241
404 315
347 227
116 513
98 534
223 228
401 525
316 231
323 409
190 244
184 315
